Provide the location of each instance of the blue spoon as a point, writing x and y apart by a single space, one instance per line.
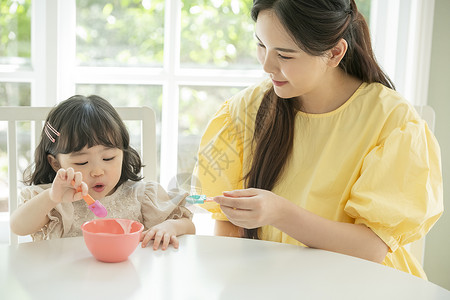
197 199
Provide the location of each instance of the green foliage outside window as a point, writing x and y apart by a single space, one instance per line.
214 33
217 33
15 29
120 32
131 32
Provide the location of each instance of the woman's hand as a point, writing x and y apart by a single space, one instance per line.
62 189
164 233
251 208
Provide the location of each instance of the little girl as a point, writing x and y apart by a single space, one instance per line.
85 148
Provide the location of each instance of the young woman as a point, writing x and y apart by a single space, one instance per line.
85 144
325 153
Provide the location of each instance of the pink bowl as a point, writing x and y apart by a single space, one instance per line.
112 240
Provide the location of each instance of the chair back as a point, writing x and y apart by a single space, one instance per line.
146 145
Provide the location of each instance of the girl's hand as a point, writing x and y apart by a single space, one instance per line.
62 189
164 233
250 208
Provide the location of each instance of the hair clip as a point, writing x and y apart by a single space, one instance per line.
47 125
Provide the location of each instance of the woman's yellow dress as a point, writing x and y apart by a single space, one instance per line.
372 161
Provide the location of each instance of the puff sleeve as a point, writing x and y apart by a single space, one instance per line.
399 192
61 217
219 164
157 205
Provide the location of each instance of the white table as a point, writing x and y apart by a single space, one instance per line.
204 267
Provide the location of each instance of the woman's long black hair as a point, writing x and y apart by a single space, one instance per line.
83 121
316 26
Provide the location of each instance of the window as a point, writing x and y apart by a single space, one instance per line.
120 33
15 32
174 56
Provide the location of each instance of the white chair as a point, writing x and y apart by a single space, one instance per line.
417 248
37 115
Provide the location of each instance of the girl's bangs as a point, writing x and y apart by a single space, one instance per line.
89 132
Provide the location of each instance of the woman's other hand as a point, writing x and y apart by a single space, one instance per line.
250 208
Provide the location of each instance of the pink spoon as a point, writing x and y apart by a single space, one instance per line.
94 205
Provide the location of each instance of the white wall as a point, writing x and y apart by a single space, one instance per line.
437 251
